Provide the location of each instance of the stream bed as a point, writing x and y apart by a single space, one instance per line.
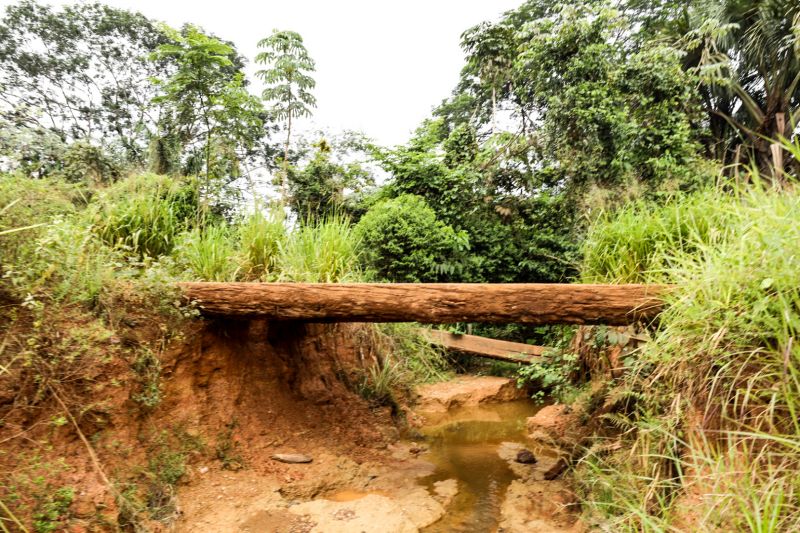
464 445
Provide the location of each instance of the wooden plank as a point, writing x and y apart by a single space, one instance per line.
513 352
432 303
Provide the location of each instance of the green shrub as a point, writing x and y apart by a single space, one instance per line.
144 213
405 242
552 375
89 164
321 252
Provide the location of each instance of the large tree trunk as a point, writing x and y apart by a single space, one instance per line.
433 303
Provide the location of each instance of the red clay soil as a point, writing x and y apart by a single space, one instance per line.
273 382
237 391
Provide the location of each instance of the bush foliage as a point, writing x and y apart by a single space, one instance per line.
405 242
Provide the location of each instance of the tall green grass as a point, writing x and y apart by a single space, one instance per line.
321 252
144 213
714 431
261 236
148 222
67 263
208 254
26 207
640 241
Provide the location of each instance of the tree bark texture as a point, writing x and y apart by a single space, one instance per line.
431 303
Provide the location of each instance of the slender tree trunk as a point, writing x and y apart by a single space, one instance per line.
494 109
204 198
285 176
208 167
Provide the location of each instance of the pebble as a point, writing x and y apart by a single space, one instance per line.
294 458
525 457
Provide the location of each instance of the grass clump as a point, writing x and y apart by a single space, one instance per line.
325 251
713 432
208 254
145 213
261 236
404 357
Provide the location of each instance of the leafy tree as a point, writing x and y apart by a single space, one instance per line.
331 178
517 233
79 72
592 118
490 56
288 82
83 162
609 115
748 55
208 109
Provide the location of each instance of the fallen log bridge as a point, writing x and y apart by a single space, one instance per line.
512 352
430 303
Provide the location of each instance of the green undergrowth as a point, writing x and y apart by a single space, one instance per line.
709 411
404 358
145 214
58 245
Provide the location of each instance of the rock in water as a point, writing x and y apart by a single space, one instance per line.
293 458
525 457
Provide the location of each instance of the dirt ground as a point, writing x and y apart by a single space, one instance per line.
229 395
383 494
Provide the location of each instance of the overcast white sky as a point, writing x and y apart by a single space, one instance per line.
381 66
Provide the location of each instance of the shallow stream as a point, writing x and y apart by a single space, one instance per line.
463 444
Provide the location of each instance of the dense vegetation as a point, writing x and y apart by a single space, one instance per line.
707 410
628 141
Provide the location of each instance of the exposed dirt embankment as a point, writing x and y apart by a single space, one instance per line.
274 383
159 402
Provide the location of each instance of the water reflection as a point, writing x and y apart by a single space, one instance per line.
463 445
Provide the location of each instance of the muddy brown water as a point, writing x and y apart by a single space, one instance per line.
463 444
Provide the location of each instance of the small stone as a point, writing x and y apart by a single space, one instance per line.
525 457
294 458
416 449
203 469
556 469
